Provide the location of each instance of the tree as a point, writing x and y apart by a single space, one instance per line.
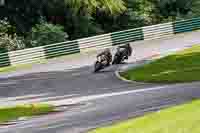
195 12
46 33
9 42
111 6
174 8
23 14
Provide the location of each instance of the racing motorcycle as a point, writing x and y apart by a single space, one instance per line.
121 55
101 63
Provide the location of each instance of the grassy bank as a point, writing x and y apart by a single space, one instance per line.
12 113
184 66
180 119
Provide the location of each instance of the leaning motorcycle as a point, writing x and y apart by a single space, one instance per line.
101 63
120 56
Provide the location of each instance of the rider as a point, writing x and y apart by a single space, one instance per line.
108 55
128 50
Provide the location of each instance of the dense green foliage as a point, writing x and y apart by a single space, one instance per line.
8 39
175 8
45 33
83 18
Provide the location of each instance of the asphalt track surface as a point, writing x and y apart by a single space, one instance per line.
112 100
98 111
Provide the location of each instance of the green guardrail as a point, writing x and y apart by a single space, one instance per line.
4 58
127 36
60 49
111 39
186 25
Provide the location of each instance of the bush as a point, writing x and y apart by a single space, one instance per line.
9 41
46 33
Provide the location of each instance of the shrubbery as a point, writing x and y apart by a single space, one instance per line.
46 33
40 35
8 39
83 18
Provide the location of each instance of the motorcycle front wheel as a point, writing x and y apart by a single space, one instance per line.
97 66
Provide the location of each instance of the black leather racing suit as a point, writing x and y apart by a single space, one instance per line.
128 50
108 56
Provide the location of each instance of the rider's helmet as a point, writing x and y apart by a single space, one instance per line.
128 44
129 49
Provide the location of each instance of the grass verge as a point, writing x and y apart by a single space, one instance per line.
12 113
184 66
180 119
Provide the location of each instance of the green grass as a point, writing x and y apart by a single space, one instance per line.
180 119
184 66
12 113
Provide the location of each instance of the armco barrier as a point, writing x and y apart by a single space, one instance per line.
97 42
60 49
26 55
4 59
186 25
127 36
196 23
158 31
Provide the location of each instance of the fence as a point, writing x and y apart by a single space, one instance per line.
26 55
95 43
98 42
4 59
186 25
158 31
127 36
60 49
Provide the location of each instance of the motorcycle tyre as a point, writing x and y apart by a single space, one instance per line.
97 66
